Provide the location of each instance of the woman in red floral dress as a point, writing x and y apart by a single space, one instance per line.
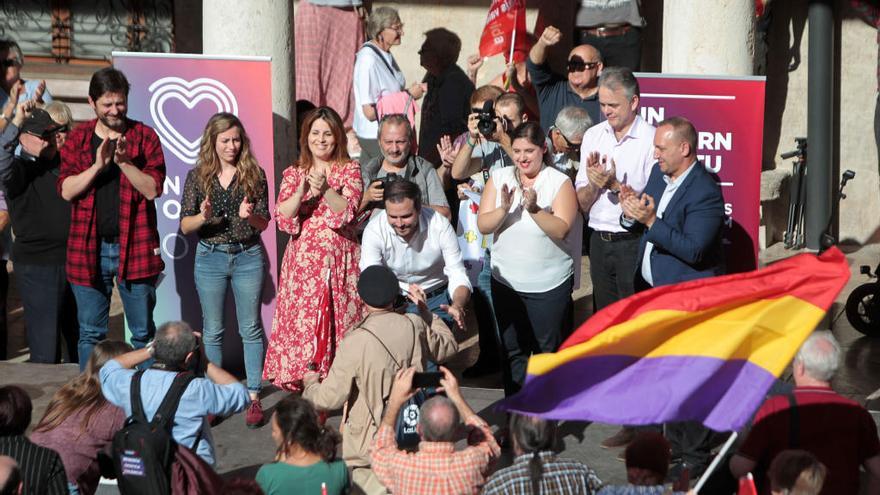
317 293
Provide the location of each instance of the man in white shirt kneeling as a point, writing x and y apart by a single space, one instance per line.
420 247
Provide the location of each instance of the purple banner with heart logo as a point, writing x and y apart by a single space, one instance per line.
175 95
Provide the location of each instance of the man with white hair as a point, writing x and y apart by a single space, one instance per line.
837 430
565 138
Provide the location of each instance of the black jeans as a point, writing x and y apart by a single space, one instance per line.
612 269
49 311
530 323
617 51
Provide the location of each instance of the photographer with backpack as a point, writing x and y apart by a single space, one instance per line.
167 398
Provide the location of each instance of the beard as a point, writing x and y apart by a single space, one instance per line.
113 123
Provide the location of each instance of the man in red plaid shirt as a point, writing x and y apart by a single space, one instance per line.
112 168
436 468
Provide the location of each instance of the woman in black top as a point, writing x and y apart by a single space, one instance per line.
226 201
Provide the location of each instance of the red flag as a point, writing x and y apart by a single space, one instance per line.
505 17
747 486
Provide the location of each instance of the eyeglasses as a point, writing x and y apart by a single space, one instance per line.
396 27
569 146
579 65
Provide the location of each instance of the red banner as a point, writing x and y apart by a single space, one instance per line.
505 18
728 113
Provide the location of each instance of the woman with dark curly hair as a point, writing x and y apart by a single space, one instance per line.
305 459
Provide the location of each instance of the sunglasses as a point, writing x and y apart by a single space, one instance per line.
579 66
9 62
569 146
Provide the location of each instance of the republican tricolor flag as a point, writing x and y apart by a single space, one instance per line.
706 350
505 29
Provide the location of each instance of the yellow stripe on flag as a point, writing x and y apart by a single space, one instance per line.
766 332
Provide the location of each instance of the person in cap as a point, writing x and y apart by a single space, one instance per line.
368 357
41 220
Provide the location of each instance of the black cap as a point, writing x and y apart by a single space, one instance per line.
39 123
378 286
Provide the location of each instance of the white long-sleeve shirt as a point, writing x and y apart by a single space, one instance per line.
430 258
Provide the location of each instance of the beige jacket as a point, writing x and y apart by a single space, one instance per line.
363 372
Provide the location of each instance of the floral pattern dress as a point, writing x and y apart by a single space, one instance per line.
323 248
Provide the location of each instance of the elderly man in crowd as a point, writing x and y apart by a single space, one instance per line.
556 92
436 467
565 138
420 247
176 349
385 342
445 108
395 140
838 431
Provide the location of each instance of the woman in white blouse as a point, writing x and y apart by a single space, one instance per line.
376 74
530 209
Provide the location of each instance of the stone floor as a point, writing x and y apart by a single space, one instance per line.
241 451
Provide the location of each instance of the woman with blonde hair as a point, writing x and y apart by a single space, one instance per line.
79 423
317 298
226 202
796 472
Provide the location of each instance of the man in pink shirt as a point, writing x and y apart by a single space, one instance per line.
618 151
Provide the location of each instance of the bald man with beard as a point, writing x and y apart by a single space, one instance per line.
579 88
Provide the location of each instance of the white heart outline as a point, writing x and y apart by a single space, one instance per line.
190 93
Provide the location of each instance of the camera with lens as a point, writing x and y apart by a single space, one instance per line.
486 119
383 181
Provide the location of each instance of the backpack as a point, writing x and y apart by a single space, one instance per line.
143 451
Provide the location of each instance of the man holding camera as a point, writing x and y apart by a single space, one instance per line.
177 349
436 467
488 143
386 341
555 92
420 247
395 139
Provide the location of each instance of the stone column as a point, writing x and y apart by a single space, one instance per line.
716 37
264 28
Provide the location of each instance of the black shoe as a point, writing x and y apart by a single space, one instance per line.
481 368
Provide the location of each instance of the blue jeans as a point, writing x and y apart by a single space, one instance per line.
215 270
93 305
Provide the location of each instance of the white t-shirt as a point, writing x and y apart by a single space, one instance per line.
372 80
524 257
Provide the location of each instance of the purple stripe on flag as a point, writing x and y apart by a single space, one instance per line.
629 390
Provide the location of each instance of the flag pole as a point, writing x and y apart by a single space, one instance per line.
705 477
513 35
512 44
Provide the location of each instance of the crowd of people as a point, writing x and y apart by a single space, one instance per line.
373 291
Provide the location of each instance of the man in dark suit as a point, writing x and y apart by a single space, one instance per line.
680 213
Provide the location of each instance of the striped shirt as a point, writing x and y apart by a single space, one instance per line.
41 468
558 476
